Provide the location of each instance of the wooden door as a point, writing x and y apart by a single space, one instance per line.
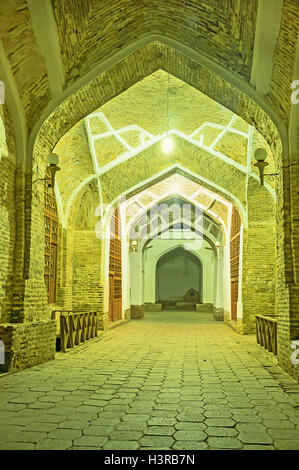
234 260
53 274
111 295
115 266
51 242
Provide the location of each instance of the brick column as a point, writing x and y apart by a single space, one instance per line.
87 291
30 336
259 256
64 288
288 267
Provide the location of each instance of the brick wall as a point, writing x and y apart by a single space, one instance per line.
259 256
26 62
284 60
7 212
27 344
64 297
87 278
196 24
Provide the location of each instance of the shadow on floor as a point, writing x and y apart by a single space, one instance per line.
182 317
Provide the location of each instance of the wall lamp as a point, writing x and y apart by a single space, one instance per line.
218 245
134 245
52 167
260 156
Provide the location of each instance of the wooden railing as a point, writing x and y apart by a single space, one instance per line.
75 327
266 332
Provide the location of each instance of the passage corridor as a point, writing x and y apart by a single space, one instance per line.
165 382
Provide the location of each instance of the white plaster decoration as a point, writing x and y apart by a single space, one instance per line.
160 199
151 140
132 151
151 259
142 41
46 33
266 35
237 202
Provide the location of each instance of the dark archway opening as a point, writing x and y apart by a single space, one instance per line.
179 279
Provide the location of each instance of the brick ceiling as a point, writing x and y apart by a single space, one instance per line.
152 105
55 70
70 38
223 29
177 184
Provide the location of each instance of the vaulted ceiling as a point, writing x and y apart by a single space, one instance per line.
215 206
48 49
201 21
134 124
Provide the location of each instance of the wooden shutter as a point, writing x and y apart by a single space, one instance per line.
51 242
234 260
115 266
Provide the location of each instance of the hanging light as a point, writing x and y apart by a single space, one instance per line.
167 144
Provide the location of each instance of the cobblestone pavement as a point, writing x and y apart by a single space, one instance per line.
168 381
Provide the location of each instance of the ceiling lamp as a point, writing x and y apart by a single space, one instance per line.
167 144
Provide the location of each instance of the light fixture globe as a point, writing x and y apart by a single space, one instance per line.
167 144
260 154
53 167
218 246
134 245
53 159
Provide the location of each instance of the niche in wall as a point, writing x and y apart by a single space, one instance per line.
177 272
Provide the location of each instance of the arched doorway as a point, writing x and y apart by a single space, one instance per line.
178 276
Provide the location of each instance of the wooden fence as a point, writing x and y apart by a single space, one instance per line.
75 327
266 332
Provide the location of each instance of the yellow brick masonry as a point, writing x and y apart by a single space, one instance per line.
25 265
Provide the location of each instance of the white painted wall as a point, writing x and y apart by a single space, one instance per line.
151 256
136 278
179 271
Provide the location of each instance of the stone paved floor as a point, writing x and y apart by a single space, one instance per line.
165 382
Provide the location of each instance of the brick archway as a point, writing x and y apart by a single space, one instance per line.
94 93
102 88
132 68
